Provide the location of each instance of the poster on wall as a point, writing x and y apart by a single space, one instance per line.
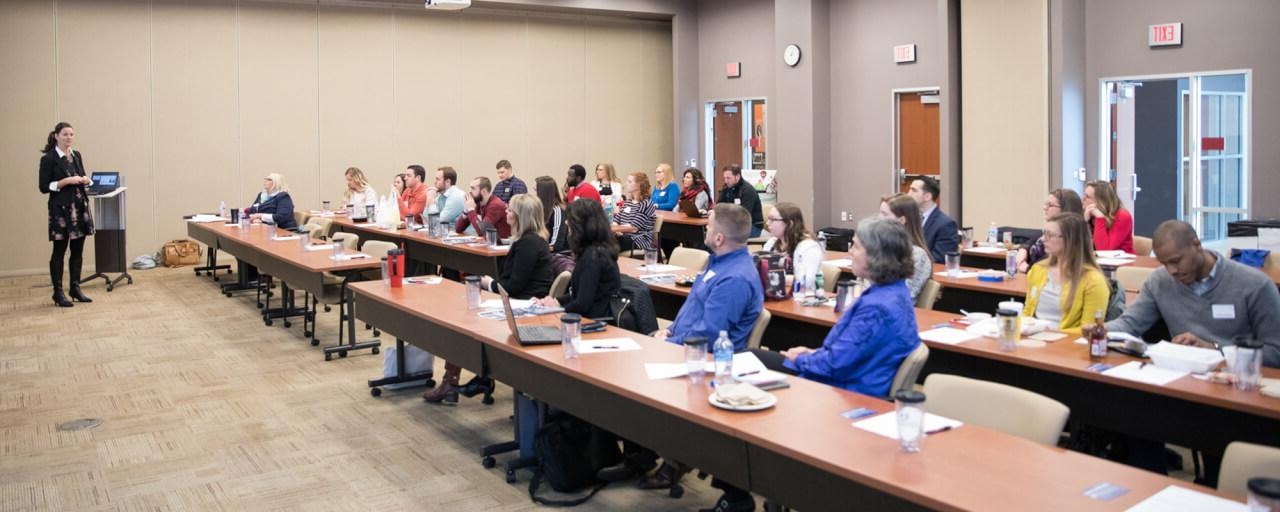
757 135
765 182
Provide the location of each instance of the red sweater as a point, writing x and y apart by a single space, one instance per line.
584 190
1118 237
491 213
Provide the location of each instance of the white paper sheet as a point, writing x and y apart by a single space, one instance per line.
987 250
1047 336
607 345
1181 499
349 256
948 336
887 424
659 371
660 267
1150 373
320 247
283 238
497 304
1114 262
963 274
201 218
743 362
1115 254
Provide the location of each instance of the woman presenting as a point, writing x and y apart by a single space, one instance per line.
62 177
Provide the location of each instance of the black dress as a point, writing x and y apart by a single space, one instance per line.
69 215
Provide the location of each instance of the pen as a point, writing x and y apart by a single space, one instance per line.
748 373
938 430
599 347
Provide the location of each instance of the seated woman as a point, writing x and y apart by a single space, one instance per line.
637 215
696 190
785 224
595 273
273 205
553 212
359 193
526 273
1063 200
1112 224
902 207
1067 287
863 350
666 193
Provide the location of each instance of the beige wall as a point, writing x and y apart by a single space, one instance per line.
193 102
1005 111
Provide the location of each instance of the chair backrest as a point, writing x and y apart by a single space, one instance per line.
1243 461
377 248
318 227
1131 277
928 294
830 274
692 259
349 240
1142 245
757 331
1272 266
560 285
300 217
909 369
657 227
1005 408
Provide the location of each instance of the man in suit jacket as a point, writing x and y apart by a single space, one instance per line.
940 230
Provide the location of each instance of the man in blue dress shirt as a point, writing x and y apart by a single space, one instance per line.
727 296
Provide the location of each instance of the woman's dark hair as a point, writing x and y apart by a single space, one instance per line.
698 180
1068 201
888 249
589 228
795 231
549 193
52 140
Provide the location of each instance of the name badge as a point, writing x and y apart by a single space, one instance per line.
1224 311
626 210
737 200
706 276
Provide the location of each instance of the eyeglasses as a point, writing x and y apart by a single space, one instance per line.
775 219
1047 235
1052 205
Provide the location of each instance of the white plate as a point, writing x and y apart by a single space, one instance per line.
773 400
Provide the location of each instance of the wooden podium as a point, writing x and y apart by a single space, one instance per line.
109 241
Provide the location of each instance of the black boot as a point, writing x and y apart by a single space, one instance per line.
55 275
75 292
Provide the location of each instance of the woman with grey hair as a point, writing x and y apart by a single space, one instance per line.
862 351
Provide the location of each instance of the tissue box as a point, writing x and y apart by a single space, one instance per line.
1184 358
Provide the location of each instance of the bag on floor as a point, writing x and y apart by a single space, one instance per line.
416 361
179 253
570 452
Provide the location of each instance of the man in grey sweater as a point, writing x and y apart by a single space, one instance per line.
1205 299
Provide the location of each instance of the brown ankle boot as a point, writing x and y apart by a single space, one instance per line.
446 393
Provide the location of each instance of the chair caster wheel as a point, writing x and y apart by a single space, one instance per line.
488 462
314 342
328 356
306 334
259 305
342 354
511 476
376 333
228 294
487 400
676 491
429 383
268 322
287 324
375 350
327 308
376 392
112 287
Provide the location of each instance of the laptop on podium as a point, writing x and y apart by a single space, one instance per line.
104 182
527 334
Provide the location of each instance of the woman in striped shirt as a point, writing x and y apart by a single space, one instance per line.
637 215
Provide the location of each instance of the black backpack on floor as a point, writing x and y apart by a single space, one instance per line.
570 452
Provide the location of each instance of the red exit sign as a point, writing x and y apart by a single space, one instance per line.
1164 34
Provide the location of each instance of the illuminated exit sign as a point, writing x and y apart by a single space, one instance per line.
1164 34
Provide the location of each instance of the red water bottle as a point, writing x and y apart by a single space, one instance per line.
395 267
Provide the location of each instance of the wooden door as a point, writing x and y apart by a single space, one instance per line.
727 131
918 137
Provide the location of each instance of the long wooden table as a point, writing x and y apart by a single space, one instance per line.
680 228
983 259
294 266
465 257
1187 412
801 453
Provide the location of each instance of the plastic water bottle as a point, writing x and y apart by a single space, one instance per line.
822 240
222 209
993 234
723 354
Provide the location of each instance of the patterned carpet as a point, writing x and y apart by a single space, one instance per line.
205 408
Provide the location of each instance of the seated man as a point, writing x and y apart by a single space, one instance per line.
1206 299
940 231
726 297
482 210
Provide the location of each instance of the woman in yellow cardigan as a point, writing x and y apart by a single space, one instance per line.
1067 287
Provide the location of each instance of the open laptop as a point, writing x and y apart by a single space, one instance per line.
689 210
527 334
104 182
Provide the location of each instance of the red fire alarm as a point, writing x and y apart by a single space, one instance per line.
733 70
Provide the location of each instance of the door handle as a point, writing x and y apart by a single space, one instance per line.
902 175
1136 188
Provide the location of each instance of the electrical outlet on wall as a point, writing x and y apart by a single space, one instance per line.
1082 175
844 216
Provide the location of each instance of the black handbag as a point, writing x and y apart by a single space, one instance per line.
570 452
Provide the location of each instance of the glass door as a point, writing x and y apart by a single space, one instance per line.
1220 177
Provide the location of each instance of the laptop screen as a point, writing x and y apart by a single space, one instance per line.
105 179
